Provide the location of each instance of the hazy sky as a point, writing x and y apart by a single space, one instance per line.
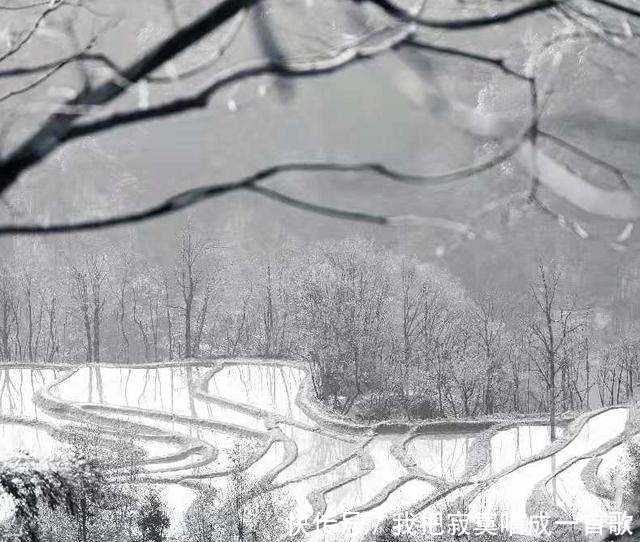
364 113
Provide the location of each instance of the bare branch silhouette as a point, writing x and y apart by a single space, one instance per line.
464 23
402 30
253 182
46 139
26 38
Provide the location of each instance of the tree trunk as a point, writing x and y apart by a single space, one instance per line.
552 397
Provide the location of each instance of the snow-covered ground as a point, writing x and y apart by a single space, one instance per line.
186 419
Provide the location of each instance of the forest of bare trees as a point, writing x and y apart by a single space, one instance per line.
383 334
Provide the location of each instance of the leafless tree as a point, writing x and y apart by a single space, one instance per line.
121 293
552 327
194 280
87 290
489 331
8 303
241 512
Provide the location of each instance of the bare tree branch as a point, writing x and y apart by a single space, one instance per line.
316 68
618 7
24 7
587 156
101 58
194 196
47 138
520 12
33 84
66 123
51 69
52 7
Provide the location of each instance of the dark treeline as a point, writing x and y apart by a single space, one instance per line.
384 335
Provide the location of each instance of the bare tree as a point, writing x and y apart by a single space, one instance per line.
489 331
194 281
80 293
88 282
121 293
552 327
243 511
8 323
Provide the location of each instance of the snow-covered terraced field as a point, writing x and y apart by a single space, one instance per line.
184 420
